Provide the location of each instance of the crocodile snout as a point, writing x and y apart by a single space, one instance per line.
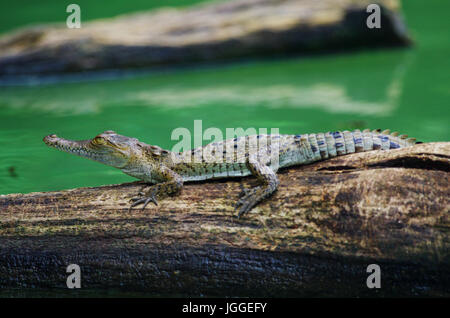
50 138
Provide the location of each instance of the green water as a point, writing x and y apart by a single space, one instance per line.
15 14
406 90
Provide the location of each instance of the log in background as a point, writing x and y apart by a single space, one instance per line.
314 237
211 32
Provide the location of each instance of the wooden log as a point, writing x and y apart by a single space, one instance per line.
208 32
314 237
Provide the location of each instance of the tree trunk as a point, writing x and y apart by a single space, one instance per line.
208 32
314 237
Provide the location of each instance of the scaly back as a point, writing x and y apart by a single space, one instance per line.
314 147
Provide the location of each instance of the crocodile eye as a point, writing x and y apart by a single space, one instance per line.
99 140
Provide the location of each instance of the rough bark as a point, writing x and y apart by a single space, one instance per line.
314 237
211 32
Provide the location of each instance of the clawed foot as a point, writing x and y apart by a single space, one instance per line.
142 199
248 199
244 191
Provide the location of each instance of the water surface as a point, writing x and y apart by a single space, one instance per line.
407 90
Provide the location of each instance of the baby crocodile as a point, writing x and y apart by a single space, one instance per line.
257 155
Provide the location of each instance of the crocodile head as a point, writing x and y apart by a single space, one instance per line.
108 148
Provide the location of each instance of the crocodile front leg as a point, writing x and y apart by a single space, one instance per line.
251 197
172 183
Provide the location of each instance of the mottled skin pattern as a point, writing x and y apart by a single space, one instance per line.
257 155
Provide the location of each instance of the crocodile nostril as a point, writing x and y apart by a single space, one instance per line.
48 139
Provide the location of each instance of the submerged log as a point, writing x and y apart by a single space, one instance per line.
314 237
206 32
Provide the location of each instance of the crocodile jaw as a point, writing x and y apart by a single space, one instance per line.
88 149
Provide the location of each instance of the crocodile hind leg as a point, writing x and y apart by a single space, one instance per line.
269 184
172 184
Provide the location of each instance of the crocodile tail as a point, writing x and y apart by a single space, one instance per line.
339 143
387 140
